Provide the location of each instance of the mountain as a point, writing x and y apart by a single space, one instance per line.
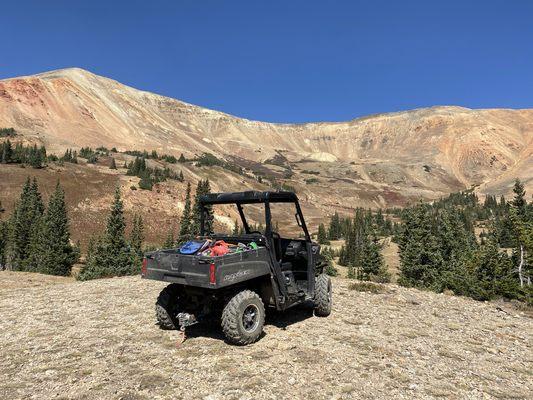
380 160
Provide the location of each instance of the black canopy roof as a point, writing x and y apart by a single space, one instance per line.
249 197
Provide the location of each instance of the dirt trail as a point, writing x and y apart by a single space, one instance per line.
98 340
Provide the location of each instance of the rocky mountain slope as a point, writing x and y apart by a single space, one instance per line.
94 340
386 159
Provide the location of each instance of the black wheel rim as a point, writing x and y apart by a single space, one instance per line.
250 318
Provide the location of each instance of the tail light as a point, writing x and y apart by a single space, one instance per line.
212 276
143 268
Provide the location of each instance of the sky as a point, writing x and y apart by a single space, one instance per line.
286 61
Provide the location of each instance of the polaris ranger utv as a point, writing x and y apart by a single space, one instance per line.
264 270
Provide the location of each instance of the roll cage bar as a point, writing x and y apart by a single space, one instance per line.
253 197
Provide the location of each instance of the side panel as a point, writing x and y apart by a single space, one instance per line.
241 267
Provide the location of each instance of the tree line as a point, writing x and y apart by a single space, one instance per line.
20 154
154 155
438 245
36 238
8 132
340 227
439 249
149 175
361 251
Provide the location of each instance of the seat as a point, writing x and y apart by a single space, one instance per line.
286 266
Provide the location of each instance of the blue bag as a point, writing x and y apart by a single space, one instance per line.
191 247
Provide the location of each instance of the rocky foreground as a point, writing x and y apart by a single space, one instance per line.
98 340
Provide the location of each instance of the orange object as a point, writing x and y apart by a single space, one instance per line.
219 248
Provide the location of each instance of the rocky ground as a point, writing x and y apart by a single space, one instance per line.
98 340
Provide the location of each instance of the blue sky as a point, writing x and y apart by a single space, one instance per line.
286 61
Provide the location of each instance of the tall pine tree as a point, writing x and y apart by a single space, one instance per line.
110 254
335 228
522 223
420 255
372 262
202 189
169 241
322 236
25 224
137 235
186 217
54 253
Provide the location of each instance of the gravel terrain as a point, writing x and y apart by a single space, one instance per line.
62 339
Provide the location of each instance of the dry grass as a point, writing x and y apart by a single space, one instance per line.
369 287
98 340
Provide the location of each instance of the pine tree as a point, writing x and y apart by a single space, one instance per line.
523 244
35 157
202 189
146 181
186 218
137 235
456 239
519 201
7 152
32 262
25 224
209 216
372 262
330 269
236 229
334 232
169 241
110 254
116 223
494 275
113 164
182 158
54 253
322 235
420 257
356 236
504 229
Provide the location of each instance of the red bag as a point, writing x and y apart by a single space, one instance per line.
219 248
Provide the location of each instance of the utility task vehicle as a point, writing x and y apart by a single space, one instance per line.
273 271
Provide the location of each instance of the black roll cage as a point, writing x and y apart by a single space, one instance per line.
266 198
253 197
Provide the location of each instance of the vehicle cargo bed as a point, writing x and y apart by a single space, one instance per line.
207 272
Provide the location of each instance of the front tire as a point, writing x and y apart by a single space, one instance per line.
243 318
166 307
323 295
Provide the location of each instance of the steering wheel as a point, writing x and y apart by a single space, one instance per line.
259 233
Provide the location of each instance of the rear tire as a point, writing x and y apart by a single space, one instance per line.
243 318
323 295
166 308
